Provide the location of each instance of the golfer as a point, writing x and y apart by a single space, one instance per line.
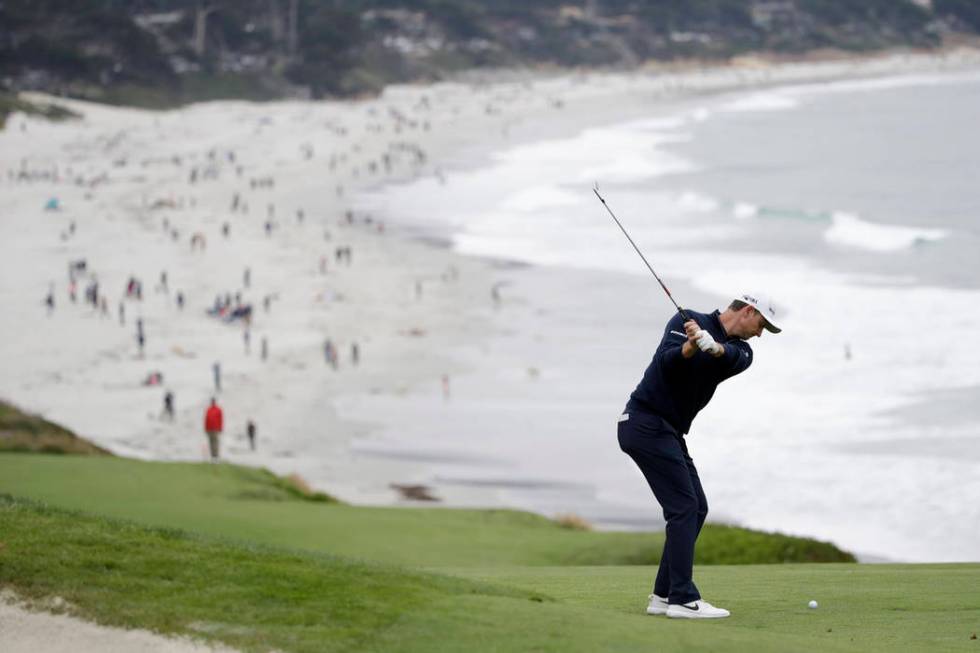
694 356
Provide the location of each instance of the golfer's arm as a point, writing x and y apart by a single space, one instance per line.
739 357
688 349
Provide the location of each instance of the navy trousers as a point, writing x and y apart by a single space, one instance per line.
661 454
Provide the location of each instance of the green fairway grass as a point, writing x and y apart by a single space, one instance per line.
260 598
252 505
860 607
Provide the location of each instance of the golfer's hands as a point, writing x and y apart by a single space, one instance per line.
692 330
690 347
707 344
698 338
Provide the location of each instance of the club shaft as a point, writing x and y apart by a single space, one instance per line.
644 258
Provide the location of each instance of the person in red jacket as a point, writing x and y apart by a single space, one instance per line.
213 425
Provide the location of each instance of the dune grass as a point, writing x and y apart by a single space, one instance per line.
11 102
21 431
260 598
253 505
190 88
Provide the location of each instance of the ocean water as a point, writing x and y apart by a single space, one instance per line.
853 203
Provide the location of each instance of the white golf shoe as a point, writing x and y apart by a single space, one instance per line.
696 610
658 605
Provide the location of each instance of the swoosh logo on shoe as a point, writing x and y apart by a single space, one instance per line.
694 609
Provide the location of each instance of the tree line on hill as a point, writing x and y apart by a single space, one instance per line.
164 52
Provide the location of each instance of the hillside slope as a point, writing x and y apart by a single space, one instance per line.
252 505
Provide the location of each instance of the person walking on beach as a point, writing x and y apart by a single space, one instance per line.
328 351
250 432
140 336
213 425
168 405
693 357
216 371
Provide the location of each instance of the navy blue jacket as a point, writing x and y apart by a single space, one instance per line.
676 388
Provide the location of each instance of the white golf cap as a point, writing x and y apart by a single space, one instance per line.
763 303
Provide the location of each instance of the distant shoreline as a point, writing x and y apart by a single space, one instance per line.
652 88
49 104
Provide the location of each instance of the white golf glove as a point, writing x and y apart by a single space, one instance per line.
707 344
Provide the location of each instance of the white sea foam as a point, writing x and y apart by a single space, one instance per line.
660 124
700 114
791 96
881 83
540 177
633 168
539 197
762 102
744 210
697 202
849 230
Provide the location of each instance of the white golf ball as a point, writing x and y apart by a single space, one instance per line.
812 604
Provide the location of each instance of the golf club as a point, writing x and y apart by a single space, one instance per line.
595 189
